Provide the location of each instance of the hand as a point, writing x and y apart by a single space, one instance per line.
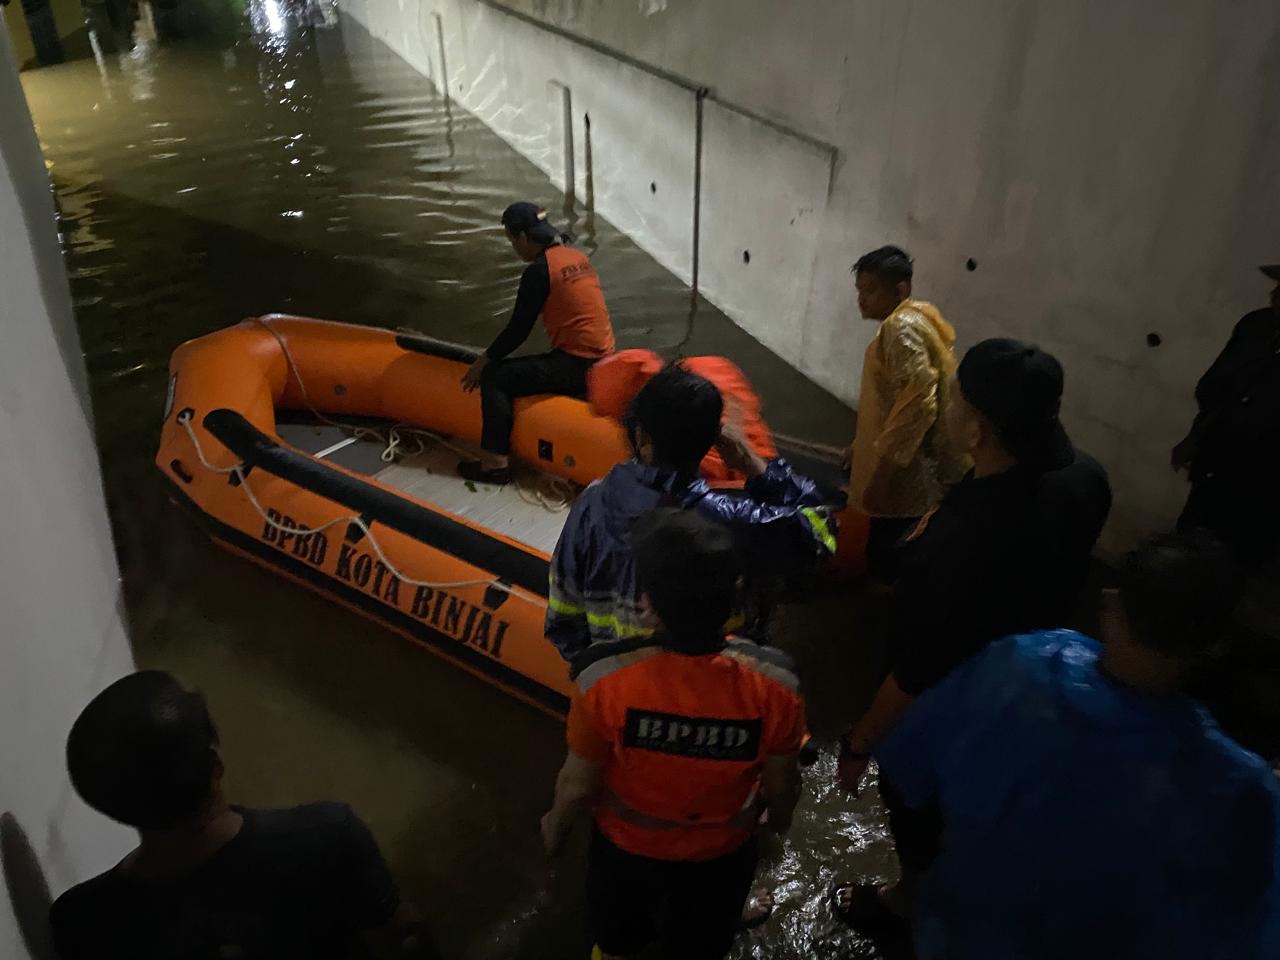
554 831
851 768
471 379
737 453
1184 453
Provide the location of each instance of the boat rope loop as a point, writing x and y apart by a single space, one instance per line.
554 495
184 419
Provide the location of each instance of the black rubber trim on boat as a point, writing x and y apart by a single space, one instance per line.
375 609
503 561
421 343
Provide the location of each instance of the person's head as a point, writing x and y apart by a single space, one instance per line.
883 279
1273 273
675 418
1172 609
529 230
688 568
1004 407
145 752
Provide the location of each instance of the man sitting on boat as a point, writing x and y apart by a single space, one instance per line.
672 424
560 284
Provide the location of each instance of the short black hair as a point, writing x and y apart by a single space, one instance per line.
891 264
1180 592
142 751
680 411
689 567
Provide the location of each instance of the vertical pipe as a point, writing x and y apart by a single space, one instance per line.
699 98
442 85
570 169
444 64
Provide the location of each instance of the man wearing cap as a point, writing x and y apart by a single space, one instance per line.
560 284
1006 551
1232 452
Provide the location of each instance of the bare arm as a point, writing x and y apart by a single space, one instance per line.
576 788
780 782
890 703
888 706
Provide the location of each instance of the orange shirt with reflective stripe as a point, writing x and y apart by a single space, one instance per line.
683 740
575 314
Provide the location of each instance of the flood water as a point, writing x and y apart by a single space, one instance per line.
221 158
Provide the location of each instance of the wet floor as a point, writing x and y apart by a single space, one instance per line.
221 158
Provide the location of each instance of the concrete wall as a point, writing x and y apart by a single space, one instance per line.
1110 171
64 17
15 20
63 635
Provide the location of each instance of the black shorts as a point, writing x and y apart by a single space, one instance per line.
694 907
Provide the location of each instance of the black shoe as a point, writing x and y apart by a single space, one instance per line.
867 913
473 470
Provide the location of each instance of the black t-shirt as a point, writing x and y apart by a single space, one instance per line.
300 883
1001 555
1239 399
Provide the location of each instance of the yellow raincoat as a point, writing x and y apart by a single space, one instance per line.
906 382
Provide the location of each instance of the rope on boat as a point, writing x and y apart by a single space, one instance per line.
238 470
555 495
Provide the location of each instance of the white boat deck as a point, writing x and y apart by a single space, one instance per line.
531 509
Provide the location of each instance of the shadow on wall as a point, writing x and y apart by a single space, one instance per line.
27 887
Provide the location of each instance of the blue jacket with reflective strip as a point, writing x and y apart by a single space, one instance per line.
594 596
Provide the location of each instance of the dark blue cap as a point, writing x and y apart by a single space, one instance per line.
531 220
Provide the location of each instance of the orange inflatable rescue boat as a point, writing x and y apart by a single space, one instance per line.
387 529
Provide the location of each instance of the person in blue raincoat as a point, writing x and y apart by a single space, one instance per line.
1091 808
672 423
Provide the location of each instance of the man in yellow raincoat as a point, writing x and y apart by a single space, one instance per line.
900 462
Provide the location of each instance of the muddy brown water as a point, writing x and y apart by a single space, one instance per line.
217 159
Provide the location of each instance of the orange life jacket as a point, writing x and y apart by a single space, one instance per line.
683 740
614 382
575 314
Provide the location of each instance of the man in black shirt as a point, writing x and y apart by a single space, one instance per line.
1006 551
1233 448
210 880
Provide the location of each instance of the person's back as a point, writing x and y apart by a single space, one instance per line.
678 744
674 420
1090 808
209 880
1076 498
300 883
1008 549
679 785
1091 820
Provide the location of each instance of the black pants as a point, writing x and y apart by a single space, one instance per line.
505 380
917 834
1236 507
884 546
700 902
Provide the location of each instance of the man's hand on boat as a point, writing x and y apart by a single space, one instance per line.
736 451
471 379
